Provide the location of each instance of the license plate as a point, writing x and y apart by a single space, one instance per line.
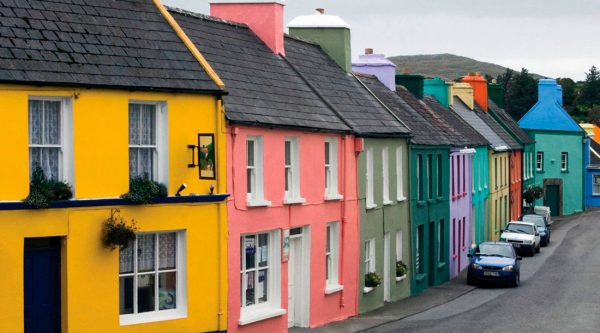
491 274
517 245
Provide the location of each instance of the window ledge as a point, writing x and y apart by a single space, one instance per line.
294 201
387 203
258 203
367 290
400 199
333 288
441 265
400 278
150 317
421 277
371 206
332 197
252 316
420 203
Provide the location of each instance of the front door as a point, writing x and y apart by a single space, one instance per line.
386 267
297 284
552 199
41 275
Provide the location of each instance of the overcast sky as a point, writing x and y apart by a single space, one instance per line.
555 38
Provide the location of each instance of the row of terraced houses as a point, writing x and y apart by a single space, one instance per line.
303 188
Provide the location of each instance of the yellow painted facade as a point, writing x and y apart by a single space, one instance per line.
499 193
90 272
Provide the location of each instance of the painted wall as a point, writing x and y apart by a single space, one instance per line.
429 220
334 41
591 199
375 222
480 194
315 214
101 170
528 165
499 193
516 185
572 179
460 211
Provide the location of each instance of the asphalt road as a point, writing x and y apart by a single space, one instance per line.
559 292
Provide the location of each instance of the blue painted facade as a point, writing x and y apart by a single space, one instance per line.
592 173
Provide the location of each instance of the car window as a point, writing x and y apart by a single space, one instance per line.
520 228
495 250
533 218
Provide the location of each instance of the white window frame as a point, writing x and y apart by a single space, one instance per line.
539 161
399 175
385 162
161 148
564 161
256 198
531 165
332 249
331 171
399 243
596 184
181 299
370 201
370 256
272 307
292 171
66 160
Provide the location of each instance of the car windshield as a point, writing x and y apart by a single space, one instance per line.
495 250
520 228
538 220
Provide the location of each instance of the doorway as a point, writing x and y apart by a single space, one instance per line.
41 285
298 278
386 268
552 199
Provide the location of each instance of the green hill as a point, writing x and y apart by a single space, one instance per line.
447 66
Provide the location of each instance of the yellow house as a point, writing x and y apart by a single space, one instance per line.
95 95
499 192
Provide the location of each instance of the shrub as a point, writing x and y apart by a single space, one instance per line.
117 231
372 279
532 193
42 190
143 190
401 268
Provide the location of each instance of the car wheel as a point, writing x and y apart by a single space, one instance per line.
517 280
537 249
470 281
532 253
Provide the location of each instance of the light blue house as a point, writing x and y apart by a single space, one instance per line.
592 174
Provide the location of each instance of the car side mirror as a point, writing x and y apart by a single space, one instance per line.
519 258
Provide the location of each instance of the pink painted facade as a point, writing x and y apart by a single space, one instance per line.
314 215
460 211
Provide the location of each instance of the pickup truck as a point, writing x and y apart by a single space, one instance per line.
523 236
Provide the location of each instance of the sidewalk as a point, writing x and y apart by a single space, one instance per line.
430 298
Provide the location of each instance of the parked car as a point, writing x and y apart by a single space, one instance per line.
523 236
542 225
544 211
495 262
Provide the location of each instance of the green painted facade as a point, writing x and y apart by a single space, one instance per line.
430 214
480 193
334 41
388 218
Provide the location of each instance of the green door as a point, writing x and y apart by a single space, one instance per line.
552 199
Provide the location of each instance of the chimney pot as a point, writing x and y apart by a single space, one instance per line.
321 10
368 51
405 70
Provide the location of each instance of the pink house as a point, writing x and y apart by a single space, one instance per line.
291 172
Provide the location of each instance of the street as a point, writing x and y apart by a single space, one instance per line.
558 292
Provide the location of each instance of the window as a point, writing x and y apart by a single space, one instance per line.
50 138
370 185
429 178
370 255
454 238
596 185
472 173
479 171
147 142
292 171
419 177
495 172
259 274
464 175
399 245
531 165
399 175
539 163
564 161
458 175
441 244
385 161
254 172
440 175
331 170
453 174
485 179
331 254
152 278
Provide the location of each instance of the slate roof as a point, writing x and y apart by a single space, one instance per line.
420 127
502 133
342 91
469 135
470 117
510 122
99 43
594 153
263 89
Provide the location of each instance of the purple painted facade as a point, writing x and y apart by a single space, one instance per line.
460 209
378 65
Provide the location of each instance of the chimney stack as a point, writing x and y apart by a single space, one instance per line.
413 83
548 89
263 17
368 51
439 89
496 93
479 84
464 91
321 10
378 65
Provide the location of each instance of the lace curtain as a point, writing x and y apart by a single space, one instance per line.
142 140
44 137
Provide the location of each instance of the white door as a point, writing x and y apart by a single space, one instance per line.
292 262
386 267
297 273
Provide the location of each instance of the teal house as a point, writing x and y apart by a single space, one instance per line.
559 147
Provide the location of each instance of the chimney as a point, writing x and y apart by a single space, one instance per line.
378 65
413 82
479 84
496 94
263 17
548 90
464 91
439 89
559 94
328 31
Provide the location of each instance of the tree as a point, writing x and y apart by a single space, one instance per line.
521 93
590 89
569 90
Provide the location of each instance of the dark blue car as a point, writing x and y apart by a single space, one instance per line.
494 262
542 225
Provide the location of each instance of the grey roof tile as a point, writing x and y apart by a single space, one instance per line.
498 129
63 42
470 117
510 122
